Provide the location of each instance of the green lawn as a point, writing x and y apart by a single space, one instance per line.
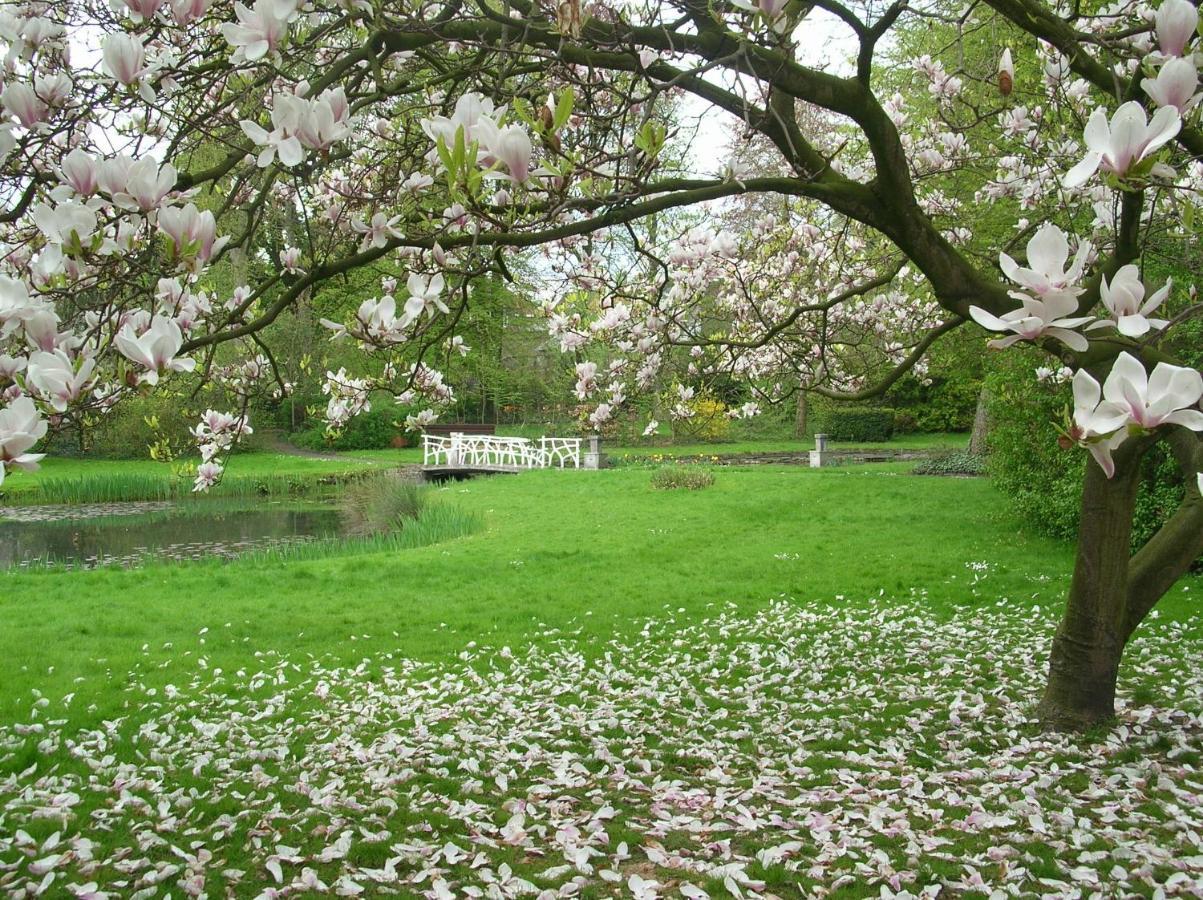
800 681
557 545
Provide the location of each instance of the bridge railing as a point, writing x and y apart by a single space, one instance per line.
561 452
487 451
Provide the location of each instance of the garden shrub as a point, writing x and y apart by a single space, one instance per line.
708 424
858 423
1043 481
690 478
376 429
954 462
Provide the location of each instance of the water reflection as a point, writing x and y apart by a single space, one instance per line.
130 533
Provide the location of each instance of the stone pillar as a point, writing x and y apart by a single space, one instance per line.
820 450
593 454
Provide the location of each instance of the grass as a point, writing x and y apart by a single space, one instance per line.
788 643
559 550
73 480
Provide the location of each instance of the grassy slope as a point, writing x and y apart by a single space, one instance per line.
561 550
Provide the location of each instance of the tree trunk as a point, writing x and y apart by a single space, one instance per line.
981 424
1089 643
800 415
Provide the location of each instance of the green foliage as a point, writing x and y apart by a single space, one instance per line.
1043 481
955 462
947 403
690 478
382 504
857 423
708 423
376 429
138 424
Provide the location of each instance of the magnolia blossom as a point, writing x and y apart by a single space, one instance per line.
80 171
11 366
470 110
19 100
601 415
16 306
511 146
155 348
1036 319
1128 139
260 30
1174 85
193 233
188 11
422 420
70 223
1049 313
296 123
377 232
1048 252
1124 299
207 475
20 428
290 260
1175 24
586 379
424 296
1132 399
146 185
59 381
124 57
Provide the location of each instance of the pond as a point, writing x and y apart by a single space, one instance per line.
90 535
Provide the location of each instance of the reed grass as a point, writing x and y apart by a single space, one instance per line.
120 487
434 524
382 504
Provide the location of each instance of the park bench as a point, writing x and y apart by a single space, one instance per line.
446 429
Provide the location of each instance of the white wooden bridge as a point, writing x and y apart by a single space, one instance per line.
466 454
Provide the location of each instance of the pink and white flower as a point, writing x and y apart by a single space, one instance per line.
59 381
260 30
124 57
1132 399
1175 24
1117 146
155 348
20 101
1174 85
21 426
1048 252
1124 298
424 297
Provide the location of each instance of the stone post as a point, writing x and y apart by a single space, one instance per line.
593 454
816 455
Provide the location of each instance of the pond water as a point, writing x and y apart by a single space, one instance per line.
85 536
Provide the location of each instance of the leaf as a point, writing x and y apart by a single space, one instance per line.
563 111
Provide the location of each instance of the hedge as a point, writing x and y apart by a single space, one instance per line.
858 424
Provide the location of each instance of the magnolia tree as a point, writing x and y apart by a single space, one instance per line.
152 147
